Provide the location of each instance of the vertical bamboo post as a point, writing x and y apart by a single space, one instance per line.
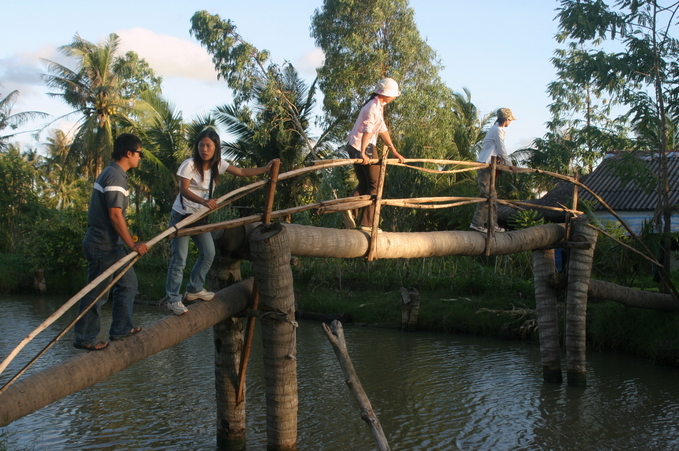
491 205
548 324
270 248
579 270
378 203
266 219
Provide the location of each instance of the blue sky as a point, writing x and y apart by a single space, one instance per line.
499 50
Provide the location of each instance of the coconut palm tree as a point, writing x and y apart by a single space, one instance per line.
13 121
104 90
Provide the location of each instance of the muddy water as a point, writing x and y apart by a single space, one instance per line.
430 392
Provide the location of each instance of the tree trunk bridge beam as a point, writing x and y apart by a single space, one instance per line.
42 388
309 241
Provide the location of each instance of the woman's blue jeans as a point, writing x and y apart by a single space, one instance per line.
124 291
180 251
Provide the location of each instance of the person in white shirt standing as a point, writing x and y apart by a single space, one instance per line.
197 178
363 139
493 146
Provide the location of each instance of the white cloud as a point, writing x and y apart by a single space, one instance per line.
169 56
310 61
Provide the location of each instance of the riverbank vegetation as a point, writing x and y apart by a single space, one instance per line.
44 192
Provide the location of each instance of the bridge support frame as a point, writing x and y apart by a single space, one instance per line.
579 271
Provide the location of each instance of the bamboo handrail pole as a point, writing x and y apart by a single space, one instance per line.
405 204
250 332
474 164
349 205
539 207
627 246
69 325
245 357
378 204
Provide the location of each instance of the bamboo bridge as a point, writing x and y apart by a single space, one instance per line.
269 296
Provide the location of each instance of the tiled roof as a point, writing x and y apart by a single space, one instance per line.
629 196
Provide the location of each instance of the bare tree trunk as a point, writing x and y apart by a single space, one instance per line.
548 321
44 387
270 248
579 269
228 339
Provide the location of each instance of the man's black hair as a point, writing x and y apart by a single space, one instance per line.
127 142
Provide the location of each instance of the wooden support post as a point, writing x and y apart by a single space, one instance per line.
548 326
579 270
492 197
378 203
410 308
270 248
335 334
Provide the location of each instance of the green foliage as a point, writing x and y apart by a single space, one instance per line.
646 333
54 243
525 219
16 274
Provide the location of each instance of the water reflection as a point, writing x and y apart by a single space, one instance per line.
431 392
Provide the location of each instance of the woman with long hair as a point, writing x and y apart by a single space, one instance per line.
198 177
363 139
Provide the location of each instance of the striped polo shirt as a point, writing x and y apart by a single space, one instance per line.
110 191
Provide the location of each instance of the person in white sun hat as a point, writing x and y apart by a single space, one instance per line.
362 142
493 146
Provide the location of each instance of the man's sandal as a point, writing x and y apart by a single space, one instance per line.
94 346
134 330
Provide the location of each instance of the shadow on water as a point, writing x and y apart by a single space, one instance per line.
431 392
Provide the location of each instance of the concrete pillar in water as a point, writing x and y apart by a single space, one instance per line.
270 249
545 299
579 270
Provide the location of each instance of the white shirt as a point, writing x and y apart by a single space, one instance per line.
494 145
198 186
370 120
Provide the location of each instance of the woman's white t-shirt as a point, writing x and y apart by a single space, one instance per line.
198 186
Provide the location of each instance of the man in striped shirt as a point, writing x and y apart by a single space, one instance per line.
107 232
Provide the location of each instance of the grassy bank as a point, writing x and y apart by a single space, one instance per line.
483 296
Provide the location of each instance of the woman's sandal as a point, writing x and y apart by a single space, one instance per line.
94 346
134 330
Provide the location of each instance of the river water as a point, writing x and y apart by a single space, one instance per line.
430 392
